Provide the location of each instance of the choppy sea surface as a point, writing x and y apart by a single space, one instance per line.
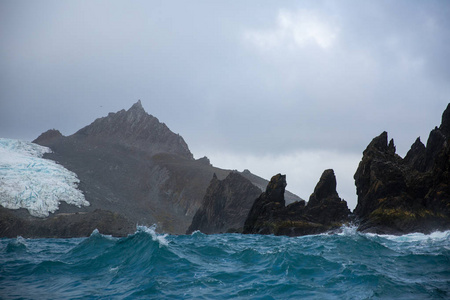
147 265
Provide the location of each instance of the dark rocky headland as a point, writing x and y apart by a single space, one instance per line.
401 195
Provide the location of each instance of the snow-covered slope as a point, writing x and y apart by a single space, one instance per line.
29 181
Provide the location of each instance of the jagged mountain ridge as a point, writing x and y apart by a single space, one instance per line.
136 129
401 195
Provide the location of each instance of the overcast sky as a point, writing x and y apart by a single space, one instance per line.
272 86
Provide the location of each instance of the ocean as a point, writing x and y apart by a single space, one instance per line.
147 265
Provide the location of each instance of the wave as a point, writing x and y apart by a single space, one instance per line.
17 245
147 265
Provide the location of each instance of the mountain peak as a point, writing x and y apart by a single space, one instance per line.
137 129
137 106
136 113
48 137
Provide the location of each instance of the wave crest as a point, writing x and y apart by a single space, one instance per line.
161 239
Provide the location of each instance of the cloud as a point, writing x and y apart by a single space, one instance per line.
261 80
295 29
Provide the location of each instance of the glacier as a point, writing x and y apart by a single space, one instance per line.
29 181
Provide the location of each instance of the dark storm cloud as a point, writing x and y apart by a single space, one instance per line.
240 81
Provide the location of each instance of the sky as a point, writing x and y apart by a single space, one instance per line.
291 87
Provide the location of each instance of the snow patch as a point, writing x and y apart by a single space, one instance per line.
29 181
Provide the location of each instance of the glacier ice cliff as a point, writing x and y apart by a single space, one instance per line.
29 181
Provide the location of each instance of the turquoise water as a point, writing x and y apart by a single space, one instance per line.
147 265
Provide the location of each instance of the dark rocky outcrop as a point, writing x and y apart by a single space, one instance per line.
324 205
225 206
325 210
262 184
398 195
64 225
131 165
48 137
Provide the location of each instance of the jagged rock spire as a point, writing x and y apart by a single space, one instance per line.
445 124
276 187
326 187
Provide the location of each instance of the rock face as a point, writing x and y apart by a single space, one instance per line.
325 210
225 206
398 195
64 225
324 205
131 166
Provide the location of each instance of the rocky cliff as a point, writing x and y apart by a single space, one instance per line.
397 195
325 210
63 225
226 205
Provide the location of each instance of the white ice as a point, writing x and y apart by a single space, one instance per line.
29 181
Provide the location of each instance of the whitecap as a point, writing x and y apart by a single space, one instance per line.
348 230
197 232
21 240
95 233
161 239
418 237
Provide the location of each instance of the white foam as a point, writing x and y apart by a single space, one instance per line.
197 233
21 240
418 237
106 236
348 230
161 239
416 243
29 181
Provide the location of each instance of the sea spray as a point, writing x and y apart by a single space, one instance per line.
161 239
148 265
